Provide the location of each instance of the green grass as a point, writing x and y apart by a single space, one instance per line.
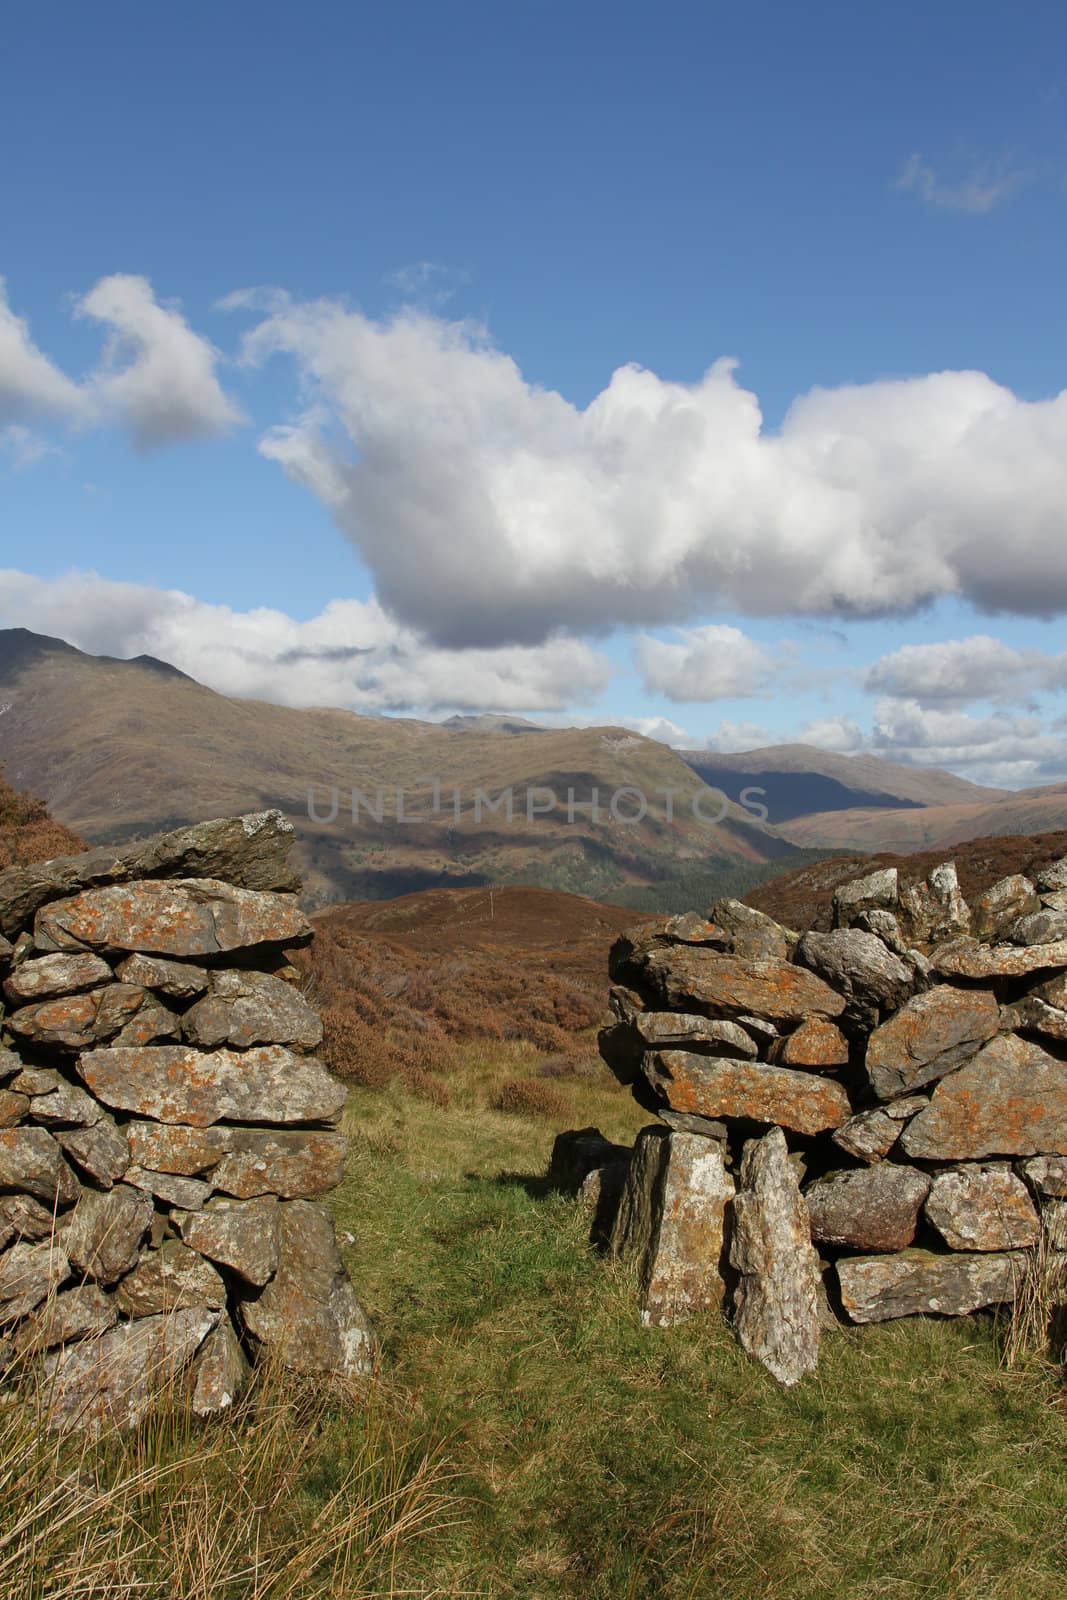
597 1458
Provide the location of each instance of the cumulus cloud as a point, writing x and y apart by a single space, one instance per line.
158 376
710 663
493 511
352 654
955 671
974 193
31 385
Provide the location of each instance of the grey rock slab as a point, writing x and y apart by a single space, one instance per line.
930 1035
919 1282
719 985
673 1030
219 1371
100 1150
152 1023
71 1314
249 851
878 891
982 1208
10 1064
776 1304
715 1088
1054 1228
935 909
308 1316
1053 877
111 1381
242 1235
671 1220
24 1218
1055 900
859 966
870 1135
1011 1100
77 1021
14 1108
688 1122
1032 1015
292 1165
247 1008
872 1208
32 1163
67 1105
1046 1175
104 1233
749 932
179 1084
172 1278
28 1274
967 958
178 980
163 1147
1041 927
885 926
189 1194
183 917
50 976
996 910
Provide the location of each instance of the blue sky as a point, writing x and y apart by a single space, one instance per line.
473 215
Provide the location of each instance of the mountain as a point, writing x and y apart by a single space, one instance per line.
798 780
121 748
936 827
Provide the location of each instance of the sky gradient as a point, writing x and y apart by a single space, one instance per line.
694 367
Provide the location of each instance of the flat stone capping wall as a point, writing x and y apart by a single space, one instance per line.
165 1127
862 1124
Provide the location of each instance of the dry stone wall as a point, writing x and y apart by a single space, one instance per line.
165 1127
886 1104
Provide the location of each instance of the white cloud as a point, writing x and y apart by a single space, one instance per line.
710 663
31 385
158 376
352 654
728 738
492 511
955 671
23 447
841 734
974 193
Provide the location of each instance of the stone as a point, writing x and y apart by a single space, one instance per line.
179 980
1042 927
172 1278
621 1048
179 1084
996 910
67 1105
776 1303
32 1163
1032 1015
1056 900
878 891
36 1080
674 1030
152 1023
50 976
1054 1230
23 1218
817 1044
104 1233
1046 1175
308 1316
28 1274
10 1064
189 1194
860 967
752 933
248 851
13 1108
982 1208
713 1087
1053 992
762 1031
182 1150
872 1208
728 986
219 1371
967 958
110 1382
77 1021
577 1153
918 1282
691 928
884 925
240 1234
935 909
870 1135
1053 877
292 1165
184 917
247 1008
599 1196
671 1220
688 1122
100 1151
626 1004
1011 1100
929 1036
71 1314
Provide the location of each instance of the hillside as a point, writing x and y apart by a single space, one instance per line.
935 827
798 780
120 748
28 833
803 898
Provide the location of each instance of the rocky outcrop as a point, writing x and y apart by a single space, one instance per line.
899 1082
165 1127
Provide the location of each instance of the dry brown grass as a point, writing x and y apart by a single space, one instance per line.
528 1097
28 833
